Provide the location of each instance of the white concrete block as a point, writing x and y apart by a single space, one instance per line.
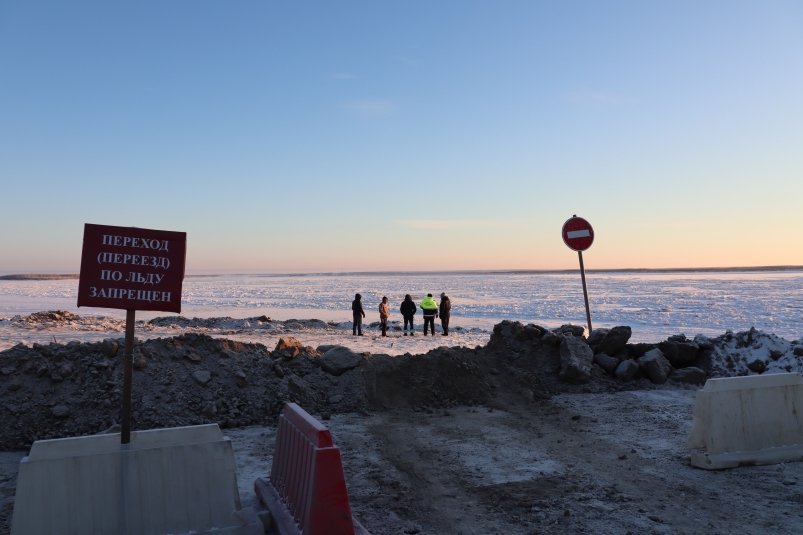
176 480
755 419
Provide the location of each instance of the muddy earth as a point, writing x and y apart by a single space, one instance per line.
539 431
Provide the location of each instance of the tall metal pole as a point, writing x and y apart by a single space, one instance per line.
585 291
128 371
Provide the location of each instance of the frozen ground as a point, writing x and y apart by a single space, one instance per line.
19 329
574 464
655 305
577 463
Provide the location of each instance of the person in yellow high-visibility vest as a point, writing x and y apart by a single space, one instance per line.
430 308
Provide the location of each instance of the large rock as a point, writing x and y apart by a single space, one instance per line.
703 342
551 339
515 334
690 375
627 370
655 366
614 340
606 362
596 336
757 365
569 329
338 360
575 360
504 330
288 347
637 350
531 332
679 351
202 376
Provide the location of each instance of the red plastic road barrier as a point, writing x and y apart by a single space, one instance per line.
307 488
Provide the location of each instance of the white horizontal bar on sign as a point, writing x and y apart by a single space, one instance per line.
578 234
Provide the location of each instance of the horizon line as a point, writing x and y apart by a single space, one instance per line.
731 269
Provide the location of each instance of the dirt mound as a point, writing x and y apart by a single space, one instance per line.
59 390
51 317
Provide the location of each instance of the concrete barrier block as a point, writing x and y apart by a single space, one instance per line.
176 480
748 420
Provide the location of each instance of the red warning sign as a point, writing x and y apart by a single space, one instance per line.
132 268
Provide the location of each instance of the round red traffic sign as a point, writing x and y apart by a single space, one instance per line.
578 234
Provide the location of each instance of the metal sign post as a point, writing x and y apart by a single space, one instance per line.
128 372
578 235
585 291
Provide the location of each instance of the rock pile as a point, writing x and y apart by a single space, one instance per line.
608 351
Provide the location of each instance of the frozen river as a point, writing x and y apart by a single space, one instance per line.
654 304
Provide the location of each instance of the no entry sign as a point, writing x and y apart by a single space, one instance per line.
578 234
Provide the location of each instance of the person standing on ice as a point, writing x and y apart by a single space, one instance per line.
358 313
445 310
430 308
408 310
384 314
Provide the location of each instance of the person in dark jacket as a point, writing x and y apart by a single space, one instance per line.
358 313
445 310
408 310
430 309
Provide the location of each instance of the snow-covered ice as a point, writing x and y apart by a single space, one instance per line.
654 304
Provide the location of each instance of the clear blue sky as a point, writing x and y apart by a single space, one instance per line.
343 135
